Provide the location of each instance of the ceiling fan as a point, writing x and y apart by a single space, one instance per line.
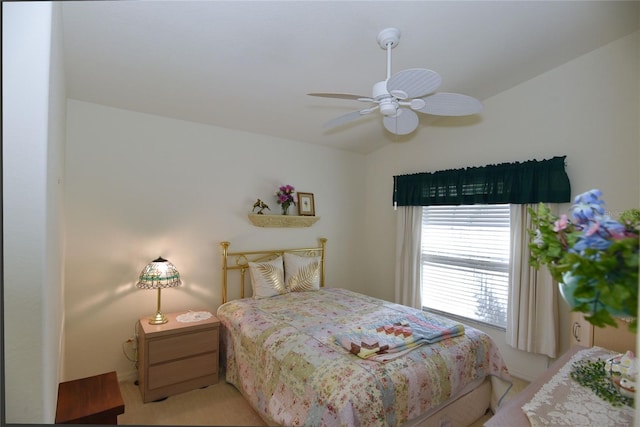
401 94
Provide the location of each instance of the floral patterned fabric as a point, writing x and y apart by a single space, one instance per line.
281 353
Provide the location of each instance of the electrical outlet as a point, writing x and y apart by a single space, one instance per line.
130 349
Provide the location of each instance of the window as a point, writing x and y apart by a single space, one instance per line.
465 261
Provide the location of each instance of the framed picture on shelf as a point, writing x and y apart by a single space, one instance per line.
306 206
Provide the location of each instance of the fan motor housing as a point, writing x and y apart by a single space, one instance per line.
380 91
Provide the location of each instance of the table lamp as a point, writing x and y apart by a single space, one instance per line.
159 274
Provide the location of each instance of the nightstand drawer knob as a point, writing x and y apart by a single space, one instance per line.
576 331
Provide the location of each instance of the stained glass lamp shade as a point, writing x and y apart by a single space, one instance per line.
159 274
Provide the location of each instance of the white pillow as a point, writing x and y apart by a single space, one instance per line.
301 273
267 278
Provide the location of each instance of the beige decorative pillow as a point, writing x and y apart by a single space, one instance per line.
267 278
301 273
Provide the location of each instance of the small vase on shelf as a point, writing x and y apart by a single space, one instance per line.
285 210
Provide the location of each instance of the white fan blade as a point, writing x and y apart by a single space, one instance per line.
403 123
349 117
415 82
450 104
342 96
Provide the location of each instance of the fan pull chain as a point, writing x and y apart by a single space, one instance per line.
389 60
395 193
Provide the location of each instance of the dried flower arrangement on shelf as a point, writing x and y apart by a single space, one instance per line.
286 197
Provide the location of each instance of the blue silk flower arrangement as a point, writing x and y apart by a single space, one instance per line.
593 258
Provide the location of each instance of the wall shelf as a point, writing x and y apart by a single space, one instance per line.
282 221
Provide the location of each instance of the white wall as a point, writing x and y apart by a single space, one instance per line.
125 207
140 186
586 109
33 151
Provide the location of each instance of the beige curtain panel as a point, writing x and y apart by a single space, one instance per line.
532 312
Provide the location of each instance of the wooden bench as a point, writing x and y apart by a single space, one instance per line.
92 400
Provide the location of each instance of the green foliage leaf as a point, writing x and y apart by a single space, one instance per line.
606 279
593 374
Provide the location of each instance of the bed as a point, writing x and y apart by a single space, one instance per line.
309 354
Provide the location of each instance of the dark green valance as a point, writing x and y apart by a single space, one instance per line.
528 182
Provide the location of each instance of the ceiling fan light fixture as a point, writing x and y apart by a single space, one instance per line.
403 93
388 107
402 123
395 114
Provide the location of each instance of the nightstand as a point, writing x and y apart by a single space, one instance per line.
177 356
617 339
91 400
511 413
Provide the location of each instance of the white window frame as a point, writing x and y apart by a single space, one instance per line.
465 262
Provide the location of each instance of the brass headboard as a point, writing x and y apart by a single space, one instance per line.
240 261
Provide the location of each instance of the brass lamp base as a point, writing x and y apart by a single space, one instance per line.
158 319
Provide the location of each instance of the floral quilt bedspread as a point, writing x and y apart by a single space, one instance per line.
282 354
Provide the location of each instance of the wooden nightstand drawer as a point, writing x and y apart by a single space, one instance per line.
183 370
176 347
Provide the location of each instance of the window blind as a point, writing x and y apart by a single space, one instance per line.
465 261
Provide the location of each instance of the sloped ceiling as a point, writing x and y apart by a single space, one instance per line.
248 65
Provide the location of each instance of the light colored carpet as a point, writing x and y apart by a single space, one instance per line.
216 405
